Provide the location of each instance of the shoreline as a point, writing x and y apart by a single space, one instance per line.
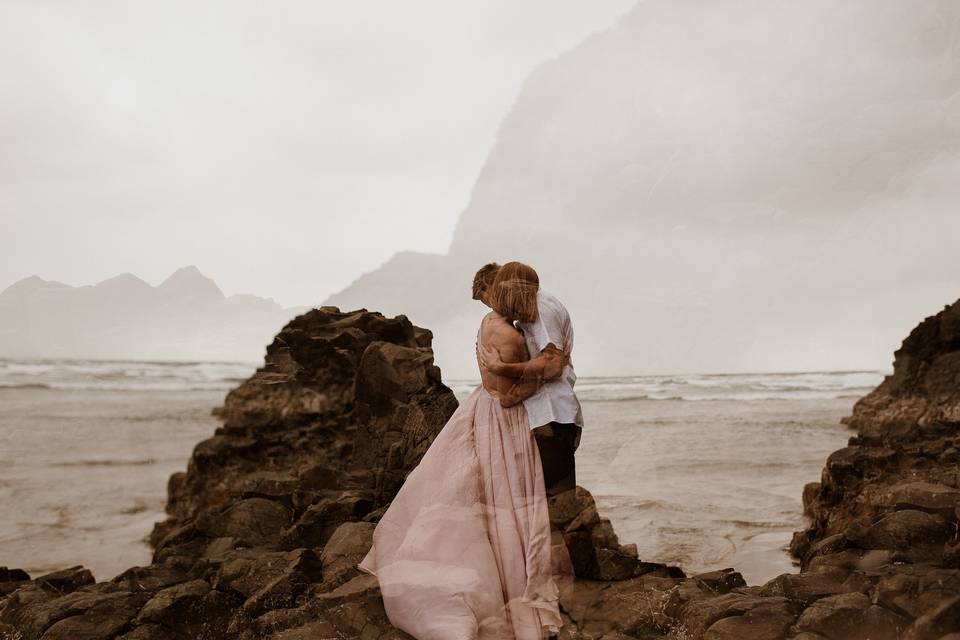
267 524
758 551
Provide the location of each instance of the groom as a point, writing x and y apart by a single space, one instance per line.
554 411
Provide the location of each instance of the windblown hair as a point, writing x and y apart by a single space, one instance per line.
513 293
484 278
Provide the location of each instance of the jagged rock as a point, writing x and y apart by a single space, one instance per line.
34 609
344 551
67 580
595 551
901 530
254 521
828 546
322 629
151 632
721 581
89 626
924 496
323 434
192 608
923 389
630 608
302 570
765 621
320 520
11 580
944 619
246 571
151 578
836 617
698 615
882 624
805 588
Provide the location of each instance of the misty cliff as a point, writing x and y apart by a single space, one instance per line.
734 185
187 317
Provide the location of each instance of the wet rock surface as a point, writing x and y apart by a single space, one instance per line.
274 511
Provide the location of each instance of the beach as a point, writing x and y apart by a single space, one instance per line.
699 471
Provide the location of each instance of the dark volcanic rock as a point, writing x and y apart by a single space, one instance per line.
886 507
881 558
12 579
323 434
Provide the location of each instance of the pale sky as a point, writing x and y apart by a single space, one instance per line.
283 148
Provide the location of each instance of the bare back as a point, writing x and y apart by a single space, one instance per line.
499 334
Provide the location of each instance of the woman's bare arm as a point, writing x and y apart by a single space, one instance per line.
509 345
548 365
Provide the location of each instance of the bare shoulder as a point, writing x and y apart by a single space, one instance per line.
505 338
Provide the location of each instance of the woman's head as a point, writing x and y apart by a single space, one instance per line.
513 293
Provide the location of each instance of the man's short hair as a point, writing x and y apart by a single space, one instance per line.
484 278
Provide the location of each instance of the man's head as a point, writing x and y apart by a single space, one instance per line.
482 281
513 293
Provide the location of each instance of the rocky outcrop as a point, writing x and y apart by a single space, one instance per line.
275 510
268 522
880 558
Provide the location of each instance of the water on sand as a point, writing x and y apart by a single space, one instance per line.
700 471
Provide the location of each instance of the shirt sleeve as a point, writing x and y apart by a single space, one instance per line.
547 329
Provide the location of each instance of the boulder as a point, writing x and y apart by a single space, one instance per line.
252 521
89 626
767 621
11 580
192 608
805 588
943 619
720 581
837 617
319 521
344 550
67 580
900 530
150 578
882 624
923 496
34 609
282 591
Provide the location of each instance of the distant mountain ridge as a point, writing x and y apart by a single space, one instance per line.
186 317
728 186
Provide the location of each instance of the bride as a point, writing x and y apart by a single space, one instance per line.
464 550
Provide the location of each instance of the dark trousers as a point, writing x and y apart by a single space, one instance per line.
557 443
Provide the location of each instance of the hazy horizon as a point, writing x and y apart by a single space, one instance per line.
741 186
259 144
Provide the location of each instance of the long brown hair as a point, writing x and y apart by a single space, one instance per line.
513 293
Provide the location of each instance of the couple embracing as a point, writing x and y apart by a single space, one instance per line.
465 549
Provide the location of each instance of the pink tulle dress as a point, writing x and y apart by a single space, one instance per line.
464 551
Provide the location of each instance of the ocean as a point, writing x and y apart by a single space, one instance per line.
702 471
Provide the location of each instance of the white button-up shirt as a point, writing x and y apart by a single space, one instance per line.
555 401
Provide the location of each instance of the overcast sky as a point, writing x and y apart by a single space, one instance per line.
283 148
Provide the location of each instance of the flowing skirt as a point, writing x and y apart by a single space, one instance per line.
464 550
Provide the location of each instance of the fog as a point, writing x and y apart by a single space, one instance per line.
733 186
283 149
742 185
